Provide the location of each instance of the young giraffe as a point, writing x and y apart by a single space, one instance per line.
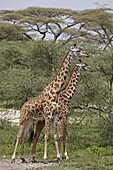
64 97
41 107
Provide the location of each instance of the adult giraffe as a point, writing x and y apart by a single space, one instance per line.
41 107
64 97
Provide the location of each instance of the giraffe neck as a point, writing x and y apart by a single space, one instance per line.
58 80
70 88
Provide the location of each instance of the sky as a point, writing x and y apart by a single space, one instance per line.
69 4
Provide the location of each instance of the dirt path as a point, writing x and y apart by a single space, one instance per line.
5 164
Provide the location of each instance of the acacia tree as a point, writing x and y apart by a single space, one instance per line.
91 26
42 21
99 22
11 31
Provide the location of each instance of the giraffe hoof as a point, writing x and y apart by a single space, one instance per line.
23 160
57 160
45 161
66 157
13 161
33 160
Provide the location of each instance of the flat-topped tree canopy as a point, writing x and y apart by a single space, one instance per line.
88 26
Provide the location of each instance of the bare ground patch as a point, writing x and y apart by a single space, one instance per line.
5 164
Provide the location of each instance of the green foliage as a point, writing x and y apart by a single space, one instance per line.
25 69
106 132
11 32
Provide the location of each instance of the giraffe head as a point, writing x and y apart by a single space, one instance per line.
76 51
82 66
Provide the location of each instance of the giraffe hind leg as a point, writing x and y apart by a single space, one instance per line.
19 136
39 127
27 128
23 130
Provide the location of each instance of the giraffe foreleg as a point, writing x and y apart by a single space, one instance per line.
65 149
64 140
61 138
63 133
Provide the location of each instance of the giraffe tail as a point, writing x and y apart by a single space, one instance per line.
31 135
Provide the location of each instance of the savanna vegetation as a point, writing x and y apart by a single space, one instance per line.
33 42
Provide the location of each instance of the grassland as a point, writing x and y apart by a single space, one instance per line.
84 149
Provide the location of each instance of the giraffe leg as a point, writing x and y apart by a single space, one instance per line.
56 135
65 149
29 124
22 151
61 145
23 130
39 126
63 139
20 132
14 153
47 132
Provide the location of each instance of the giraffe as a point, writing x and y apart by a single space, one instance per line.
64 97
41 107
